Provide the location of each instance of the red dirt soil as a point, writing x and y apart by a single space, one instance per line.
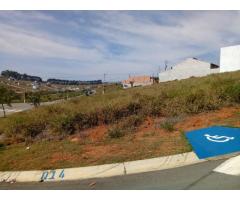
94 135
148 140
207 119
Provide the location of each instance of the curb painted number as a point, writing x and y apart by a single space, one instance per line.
51 175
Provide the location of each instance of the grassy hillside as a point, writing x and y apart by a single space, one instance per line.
48 92
175 98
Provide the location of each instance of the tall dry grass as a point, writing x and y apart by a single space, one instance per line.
188 96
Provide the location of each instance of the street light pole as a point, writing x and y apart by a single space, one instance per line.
104 78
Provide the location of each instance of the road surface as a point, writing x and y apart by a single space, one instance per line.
198 176
19 107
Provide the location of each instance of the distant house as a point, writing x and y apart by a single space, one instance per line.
11 79
191 67
136 81
35 85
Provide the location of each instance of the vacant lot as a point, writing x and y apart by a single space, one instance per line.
93 146
120 125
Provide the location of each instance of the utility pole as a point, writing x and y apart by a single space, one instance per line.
104 79
67 91
24 96
166 64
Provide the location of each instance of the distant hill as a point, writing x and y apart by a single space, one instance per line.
18 76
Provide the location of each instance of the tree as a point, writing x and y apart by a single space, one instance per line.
34 98
6 97
131 82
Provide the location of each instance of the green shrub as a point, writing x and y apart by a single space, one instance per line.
131 122
199 101
168 126
62 125
133 107
169 123
151 105
109 114
126 126
173 107
22 127
83 121
34 98
233 92
115 132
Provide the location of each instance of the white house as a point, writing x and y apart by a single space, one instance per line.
230 58
191 67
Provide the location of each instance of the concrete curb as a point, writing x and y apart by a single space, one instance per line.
101 171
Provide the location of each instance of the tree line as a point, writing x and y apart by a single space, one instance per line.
17 76
73 82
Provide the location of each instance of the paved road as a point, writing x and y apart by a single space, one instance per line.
199 176
18 107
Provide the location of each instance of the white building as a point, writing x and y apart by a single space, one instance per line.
230 58
190 67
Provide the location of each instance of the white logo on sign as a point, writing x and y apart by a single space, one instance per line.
217 138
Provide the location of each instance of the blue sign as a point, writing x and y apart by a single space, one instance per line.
214 141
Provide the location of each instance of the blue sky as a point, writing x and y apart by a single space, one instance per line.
84 45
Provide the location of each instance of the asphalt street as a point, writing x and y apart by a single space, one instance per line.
198 176
18 107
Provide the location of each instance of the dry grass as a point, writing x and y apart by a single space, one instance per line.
49 129
194 95
94 147
87 151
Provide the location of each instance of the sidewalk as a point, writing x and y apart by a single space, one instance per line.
101 171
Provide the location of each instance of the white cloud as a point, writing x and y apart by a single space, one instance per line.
147 43
21 42
193 34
